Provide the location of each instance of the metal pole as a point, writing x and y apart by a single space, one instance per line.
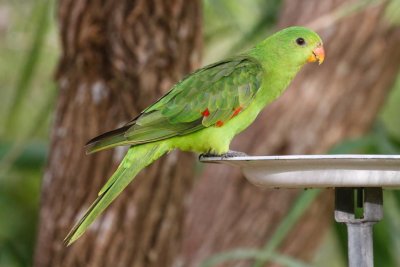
360 246
359 228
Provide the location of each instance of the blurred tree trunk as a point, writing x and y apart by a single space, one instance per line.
324 105
117 57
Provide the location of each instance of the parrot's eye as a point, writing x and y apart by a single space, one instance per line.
300 41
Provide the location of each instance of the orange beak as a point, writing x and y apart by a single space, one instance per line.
318 54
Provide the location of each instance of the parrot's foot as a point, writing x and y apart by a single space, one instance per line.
229 154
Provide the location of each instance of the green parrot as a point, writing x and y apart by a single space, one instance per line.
205 110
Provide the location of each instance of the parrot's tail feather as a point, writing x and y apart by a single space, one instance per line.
107 140
135 160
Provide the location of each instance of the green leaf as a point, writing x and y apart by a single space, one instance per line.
31 61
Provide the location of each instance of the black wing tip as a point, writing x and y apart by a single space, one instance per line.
69 240
96 144
108 134
90 148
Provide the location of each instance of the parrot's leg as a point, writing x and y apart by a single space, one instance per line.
229 154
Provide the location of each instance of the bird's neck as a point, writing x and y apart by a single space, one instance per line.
279 71
276 79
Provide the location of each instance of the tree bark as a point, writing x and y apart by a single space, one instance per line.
117 58
324 105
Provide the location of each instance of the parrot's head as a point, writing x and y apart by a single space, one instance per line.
296 46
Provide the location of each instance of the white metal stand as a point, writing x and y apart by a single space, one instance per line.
358 181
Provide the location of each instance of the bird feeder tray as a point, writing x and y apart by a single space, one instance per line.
317 171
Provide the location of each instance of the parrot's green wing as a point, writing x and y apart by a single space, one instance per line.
209 97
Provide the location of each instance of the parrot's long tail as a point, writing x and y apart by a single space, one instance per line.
135 160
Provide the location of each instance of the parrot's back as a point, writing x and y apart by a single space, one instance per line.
210 97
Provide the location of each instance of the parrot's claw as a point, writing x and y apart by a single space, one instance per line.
229 154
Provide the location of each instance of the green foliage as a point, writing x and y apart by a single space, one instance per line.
231 26
18 204
31 158
378 141
392 12
390 113
29 66
28 50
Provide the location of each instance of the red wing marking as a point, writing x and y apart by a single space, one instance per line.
206 113
236 111
219 123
